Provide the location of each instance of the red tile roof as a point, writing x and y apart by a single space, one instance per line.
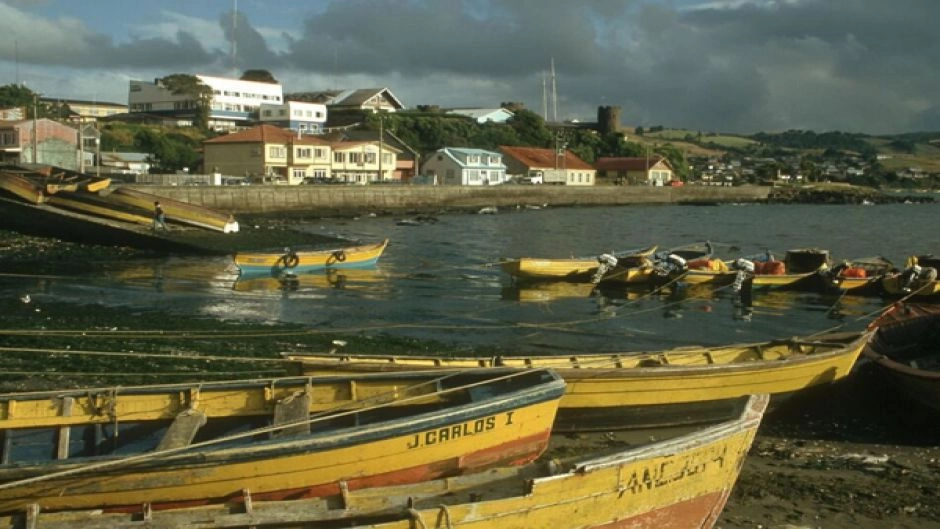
267 134
535 157
638 163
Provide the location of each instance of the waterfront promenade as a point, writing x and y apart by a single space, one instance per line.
271 198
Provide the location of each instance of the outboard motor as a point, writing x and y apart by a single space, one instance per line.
607 263
745 268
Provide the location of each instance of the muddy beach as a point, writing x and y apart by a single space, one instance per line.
847 455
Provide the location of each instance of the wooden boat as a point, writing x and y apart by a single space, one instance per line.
800 268
906 348
18 185
177 211
894 284
579 269
636 389
860 276
177 445
299 262
680 481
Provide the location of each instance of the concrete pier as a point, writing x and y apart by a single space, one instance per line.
313 198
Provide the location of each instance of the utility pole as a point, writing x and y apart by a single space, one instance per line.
381 145
81 145
35 131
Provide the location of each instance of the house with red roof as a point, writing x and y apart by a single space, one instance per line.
548 166
635 170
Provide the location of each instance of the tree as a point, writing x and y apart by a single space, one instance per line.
259 76
191 86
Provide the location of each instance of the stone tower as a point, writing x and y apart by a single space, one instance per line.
608 119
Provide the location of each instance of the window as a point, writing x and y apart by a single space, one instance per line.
304 152
277 152
319 153
370 157
267 113
339 157
319 173
386 158
355 157
299 173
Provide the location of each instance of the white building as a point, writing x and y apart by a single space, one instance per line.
295 115
233 101
464 167
483 115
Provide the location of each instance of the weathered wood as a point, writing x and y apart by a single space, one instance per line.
62 451
293 409
183 430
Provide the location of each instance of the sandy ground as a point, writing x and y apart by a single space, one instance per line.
850 455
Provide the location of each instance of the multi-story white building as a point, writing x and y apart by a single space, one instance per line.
233 101
299 116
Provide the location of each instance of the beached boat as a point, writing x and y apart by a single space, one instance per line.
176 211
189 444
906 348
632 267
673 386
19 186
292 261
679 480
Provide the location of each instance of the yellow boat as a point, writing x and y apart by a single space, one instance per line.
801 268
301 262
673 386
176 210
15 183
192 444
680 480
580 269
895 284
860 276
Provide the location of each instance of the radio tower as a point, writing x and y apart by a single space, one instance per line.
554 95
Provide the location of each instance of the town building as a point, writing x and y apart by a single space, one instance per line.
638 170
268 154
484 115
548 166
361 99
464 167
300 116
363 162
42 141
406 160
78 111
234 102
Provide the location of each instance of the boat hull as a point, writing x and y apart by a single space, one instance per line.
904 348
304 262
668 387
681 482
346 451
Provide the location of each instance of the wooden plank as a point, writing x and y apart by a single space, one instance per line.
65 432
293 409
183 430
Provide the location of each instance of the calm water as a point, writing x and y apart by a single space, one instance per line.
439 281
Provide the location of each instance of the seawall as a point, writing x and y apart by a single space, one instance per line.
356 199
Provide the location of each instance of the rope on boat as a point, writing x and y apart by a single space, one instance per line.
325 415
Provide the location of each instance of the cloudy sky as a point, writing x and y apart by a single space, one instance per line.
869 66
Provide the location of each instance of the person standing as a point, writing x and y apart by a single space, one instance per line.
159 217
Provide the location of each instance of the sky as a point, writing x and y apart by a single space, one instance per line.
734 66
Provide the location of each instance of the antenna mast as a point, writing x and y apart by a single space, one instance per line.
554 95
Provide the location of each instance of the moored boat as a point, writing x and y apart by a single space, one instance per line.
679 480
799 269
906 349
292 261
919 279
579 269
190 444
673 386
860 276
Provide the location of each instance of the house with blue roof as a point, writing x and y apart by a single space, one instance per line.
464 167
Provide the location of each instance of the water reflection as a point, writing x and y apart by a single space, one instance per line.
345 279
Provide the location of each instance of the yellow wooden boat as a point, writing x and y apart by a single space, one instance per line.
179 445
680 480
673 386
18 185
801 268
895 284
580 269
302 262
176 211
858 277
